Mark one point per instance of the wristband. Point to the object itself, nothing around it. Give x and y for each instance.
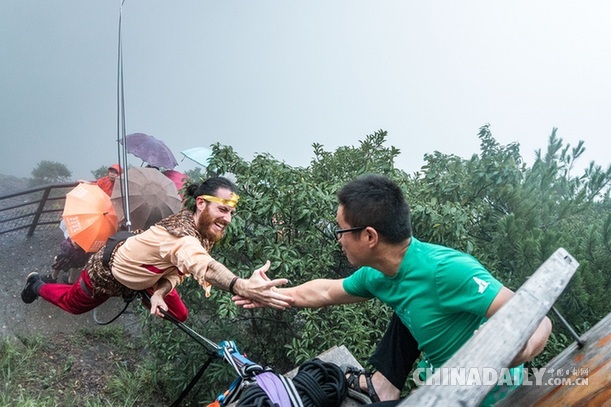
(233, 280)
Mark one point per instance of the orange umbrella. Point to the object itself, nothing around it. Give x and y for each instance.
(90, 217)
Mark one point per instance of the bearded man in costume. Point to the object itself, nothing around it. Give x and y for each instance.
(160, 258)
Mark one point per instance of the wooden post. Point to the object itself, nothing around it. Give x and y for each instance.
(501, 338)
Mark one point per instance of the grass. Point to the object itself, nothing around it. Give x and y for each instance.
(97, 368)
(105, 367)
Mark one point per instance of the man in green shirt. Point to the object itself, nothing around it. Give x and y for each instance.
(439, 294)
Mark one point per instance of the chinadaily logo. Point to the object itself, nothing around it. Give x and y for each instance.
(461, 376)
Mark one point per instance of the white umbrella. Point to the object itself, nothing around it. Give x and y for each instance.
(200, 155)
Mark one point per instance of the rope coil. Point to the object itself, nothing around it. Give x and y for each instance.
(318, 383)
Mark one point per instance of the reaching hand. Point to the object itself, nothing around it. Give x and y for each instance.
(260, 291)
(157, 303)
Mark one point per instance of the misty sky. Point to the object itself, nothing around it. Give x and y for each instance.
(277, 76)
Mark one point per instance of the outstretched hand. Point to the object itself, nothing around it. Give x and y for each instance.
(157, 304)
(259, 291)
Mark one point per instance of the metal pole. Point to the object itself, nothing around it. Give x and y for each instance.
(121, 130)
(568, 326)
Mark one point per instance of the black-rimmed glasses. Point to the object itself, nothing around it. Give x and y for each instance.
(340, 232)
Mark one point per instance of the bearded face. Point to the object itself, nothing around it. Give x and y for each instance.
(210, 226)
(214, 214)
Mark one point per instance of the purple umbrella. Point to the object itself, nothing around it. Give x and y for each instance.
(151, 150)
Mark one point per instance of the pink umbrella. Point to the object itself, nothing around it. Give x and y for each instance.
(178, 178)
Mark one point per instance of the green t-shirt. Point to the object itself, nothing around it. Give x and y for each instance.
(442, 296)
(439, 293)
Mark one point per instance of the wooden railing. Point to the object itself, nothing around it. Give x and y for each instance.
(33, 208)
(579, 376)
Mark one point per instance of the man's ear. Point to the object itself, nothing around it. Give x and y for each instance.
(372, 236)
(200, 204)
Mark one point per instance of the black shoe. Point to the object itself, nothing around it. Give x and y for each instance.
(48, 279)
(32, 285)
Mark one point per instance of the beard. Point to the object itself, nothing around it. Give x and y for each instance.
(204, 223)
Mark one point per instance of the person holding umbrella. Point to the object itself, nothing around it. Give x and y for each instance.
(88, 220)
(71, 257)
(160, 258)
(107, 183)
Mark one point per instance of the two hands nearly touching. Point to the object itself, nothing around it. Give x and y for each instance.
(256, 292)
(263, 291)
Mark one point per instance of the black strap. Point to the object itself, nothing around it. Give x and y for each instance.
(112, 242)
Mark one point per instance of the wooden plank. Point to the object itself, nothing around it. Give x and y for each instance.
(576, 377)
(501, 338)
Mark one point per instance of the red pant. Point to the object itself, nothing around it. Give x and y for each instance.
(73, 299)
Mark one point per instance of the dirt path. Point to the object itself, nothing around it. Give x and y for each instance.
(20, 255)
(78, 359)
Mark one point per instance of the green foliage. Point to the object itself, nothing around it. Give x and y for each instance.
(512, 218)
(359, 327)
(195, 174)
(49, 172)
(100, 172)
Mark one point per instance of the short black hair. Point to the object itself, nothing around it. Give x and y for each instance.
(377, 201)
